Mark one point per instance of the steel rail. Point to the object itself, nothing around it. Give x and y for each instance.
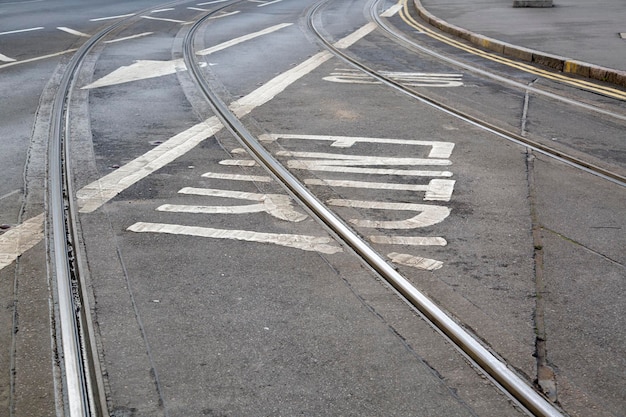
(492, 366)
(84, 394)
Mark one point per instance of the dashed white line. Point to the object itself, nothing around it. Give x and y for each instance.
(163, 19)
(241, 39)
(408, 240)
(39, 58)
(73, 32)
(198, 9)
(224, 15)
(111, 17)
(211, 2)
(162, 10)
(21, 30)
(268, 3)
(16, 241)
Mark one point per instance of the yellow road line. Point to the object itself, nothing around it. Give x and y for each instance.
(586, 85)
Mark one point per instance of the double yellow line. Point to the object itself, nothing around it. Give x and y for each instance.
(585, 85)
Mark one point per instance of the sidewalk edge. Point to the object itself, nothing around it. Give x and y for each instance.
(559, 63)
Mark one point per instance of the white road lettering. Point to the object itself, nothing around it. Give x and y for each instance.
(435, 190)
(415, 261)
(277, 205)
(412, 79)
(408, 240)
(429, 214)
(73, 32)
(354, 160)
(307, 243)
(438, 149)
(237, 177)
(312, 166)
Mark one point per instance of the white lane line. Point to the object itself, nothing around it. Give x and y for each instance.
(392, 10)
(307, 243)
(162, 10)
(198, 9)
(94, 195)
(408, 240)
(19, 239)
(268, 3)
(73, 32)
(21, 30)
(223, 15)
(39, 58)
(139, 35)
(241, 39)
(355, 36)
(111, 17)
(12, 193)
(162, 19)
(6, 58)
(211, 2)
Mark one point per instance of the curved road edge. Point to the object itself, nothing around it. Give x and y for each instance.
(559, 63)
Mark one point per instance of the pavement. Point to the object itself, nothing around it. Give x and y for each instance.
(580, 37)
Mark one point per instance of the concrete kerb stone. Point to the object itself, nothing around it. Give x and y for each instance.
(566, 65)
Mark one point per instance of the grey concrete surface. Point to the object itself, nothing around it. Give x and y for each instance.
(583, 31)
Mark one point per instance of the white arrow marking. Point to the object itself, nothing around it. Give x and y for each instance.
(6, 58)
(144, 69)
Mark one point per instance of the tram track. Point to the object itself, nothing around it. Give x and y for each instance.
(83, 385)
(493, 368)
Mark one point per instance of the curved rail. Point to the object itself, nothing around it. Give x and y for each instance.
(84, 391)
(491, 365)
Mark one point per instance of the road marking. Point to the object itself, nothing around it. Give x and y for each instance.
(211, 2)
(412, 79)
(163, 19)
(111, 17)
(198, 9)
(162, 10)
(73, 32)
(144, 69)
(334, 159)
(11, 193)
(267, 3)
(139, 35)
(94, 195)
(277, 205)
(415, 261)
(359, 34)
(39, 58)
(16, 241)
(241, 39)
(436, 189)
(21, 30)
(237, 177)
(408, 240)
(307, 243)
(438, 149)
(312, 166)
(429, 214)
(6, 58)
(392, 10)
(223, 15)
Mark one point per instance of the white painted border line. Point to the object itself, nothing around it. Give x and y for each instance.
(211, 2)
(21, 30)
(111, 17)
